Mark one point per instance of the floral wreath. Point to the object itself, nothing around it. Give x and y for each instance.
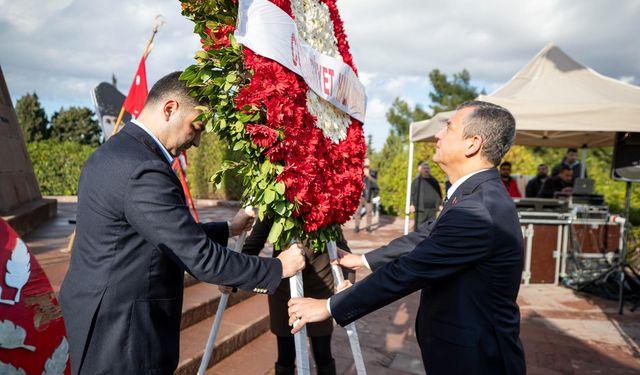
(302, 157)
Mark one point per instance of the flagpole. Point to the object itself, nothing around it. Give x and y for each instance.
(147, 50)
(158, 21)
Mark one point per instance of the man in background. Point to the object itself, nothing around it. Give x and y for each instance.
(561, 183)
(426, 195)
(535, 184)
(508, 182)
(369, 192)
(570, 160)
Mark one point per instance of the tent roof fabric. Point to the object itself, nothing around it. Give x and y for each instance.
(558, 102)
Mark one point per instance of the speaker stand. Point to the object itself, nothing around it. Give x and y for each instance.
(621, 266)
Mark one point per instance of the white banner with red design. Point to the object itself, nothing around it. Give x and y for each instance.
(270, 32)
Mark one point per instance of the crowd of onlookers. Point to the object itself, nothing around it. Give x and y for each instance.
(562, 179)
(427, 196)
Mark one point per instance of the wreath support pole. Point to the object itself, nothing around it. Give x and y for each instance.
(300, 338)
(352, 333)
(222, 305)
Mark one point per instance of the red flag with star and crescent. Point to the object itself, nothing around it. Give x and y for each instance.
(138, 91)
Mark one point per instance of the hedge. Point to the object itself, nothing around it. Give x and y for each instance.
(57, 165)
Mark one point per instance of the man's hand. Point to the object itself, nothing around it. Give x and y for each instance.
(243, 221)
(345, 285)
(412, 208)
(306, 310)
(292, 260)
(348, 260)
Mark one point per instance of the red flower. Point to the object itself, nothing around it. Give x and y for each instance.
(262, 135)
(219, 36)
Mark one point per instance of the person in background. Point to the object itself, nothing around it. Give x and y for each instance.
(508, 182)
(369, 191)
(426, 195)
(535, 184)
(570, 160)
(561, 183)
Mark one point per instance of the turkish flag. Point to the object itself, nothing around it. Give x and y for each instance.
(138, 91)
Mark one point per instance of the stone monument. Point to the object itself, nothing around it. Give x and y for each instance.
(21, 203)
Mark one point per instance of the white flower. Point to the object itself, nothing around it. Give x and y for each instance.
(314, 25)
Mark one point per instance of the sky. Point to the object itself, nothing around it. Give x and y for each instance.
(61, 49)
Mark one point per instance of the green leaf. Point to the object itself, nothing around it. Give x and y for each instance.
(202, 55)
(274, 233)
(265, 168)
(280, 188)
(289, 224)
(269, 196)
(281, 208)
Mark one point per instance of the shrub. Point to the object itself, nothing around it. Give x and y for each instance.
(57, 165)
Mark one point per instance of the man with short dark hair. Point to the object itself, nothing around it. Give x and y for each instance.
(570, 160)
(426, 195)
(535, 184)
(122, 296)
(561, 183)
(468, 262)
(508, 182)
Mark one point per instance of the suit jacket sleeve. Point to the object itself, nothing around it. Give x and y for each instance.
(155, 208)
(460, 238)
(217, 232)
(398, 247)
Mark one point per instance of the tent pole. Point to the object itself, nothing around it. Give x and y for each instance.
(408, 200)
(583, 162)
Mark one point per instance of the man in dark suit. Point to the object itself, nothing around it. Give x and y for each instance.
(122, 296)
(468, 262)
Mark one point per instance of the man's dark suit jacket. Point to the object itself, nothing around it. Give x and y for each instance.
(468, 264)
(122, 296)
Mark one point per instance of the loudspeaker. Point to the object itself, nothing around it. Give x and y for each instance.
(626, 157)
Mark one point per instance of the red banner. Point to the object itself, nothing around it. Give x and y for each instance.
(32, 333)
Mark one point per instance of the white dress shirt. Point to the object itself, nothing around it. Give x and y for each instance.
(166, 153)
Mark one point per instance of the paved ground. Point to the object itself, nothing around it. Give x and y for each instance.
(563, 332)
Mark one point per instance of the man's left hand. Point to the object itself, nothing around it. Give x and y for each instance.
(243, 221)
(307, 310)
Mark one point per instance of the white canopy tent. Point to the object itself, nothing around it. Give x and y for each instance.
(557, 102)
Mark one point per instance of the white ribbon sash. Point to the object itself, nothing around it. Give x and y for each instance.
(270, 32)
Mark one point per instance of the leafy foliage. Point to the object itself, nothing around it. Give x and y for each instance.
(32, 118)
(76, 124)
(57, 165)
(215, 78)
(204, 161)
(448, 94)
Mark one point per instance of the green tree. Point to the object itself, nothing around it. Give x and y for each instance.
(447, 93)
(401, 115)
(32, 118)
(76, 124)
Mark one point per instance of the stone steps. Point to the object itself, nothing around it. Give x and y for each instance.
(262, 354)
(241, 324)
(201, 302)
